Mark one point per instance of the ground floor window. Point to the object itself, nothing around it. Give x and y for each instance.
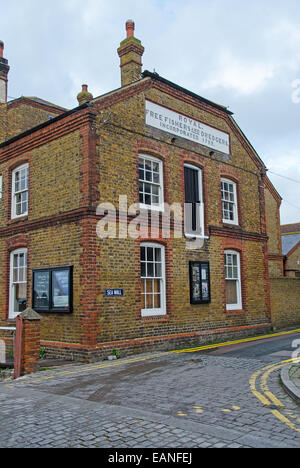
(153, 279)
(18, 282)
(233, 280)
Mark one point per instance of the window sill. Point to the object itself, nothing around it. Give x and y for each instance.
(195, 236)
(231, 225)
(18, 219)
(151, 207)
(155, 318)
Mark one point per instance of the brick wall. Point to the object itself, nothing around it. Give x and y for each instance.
(22, 114)
(285, 302)
(275, 257)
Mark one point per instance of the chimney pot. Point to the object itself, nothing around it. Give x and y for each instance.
(84, 95)
(1, 48)
(130, 28)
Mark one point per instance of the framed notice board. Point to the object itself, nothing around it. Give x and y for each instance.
(199, 283)
(52, 289)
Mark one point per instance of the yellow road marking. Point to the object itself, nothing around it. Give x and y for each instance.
(285, 420)
(264, 373)
(230, 343)
(198, 409)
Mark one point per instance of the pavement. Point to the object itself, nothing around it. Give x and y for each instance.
(290, 378)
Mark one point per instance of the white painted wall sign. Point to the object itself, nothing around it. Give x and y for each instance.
(177, 124)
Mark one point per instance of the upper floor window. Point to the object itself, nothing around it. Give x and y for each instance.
(150, 183)
(233, 280)
(153, 279)
(194, 207)
(229, 202)
(18, 282)
(19, 200)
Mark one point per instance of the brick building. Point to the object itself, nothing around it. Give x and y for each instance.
(101, 278)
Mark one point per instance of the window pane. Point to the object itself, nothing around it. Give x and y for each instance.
(150, 254)
(147, 200)
(155, 190)
(156, 178)
(20, 296)
(158, 270)
(143, 269)
(150, 270)
(41, 289)
(60, 288)
(149, 301)
(158, 255)
(231, 292)
(156, 286)
(15, 275)
(149, 286)
(156, 301)
(147, 188)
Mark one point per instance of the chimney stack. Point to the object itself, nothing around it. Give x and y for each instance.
(4, 69)
(130, 53)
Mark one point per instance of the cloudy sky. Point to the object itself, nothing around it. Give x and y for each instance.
(242, 54)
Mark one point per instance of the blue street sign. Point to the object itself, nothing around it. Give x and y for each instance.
(114, 292)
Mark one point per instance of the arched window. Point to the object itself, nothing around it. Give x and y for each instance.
(194, 207)
(153, 279)
(19, 192)
(229, 202)
(18, 282)
(150, 182)
(233, 280)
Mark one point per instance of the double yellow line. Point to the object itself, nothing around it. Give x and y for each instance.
(265, 396)
(229, 343)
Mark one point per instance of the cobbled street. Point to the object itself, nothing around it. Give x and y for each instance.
(158, 400)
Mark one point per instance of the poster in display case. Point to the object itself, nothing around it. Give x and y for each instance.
(199, 282)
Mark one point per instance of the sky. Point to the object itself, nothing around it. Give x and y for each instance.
(244, 55)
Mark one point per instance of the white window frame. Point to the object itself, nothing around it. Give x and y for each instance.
(1, 185)
(160, 185)
(237, 278)
(12, 313)
(162, 309)
(14, 193)
(235, 219)
(201, 205)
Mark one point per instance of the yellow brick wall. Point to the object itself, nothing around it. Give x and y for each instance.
(23, 117)
(285, 302)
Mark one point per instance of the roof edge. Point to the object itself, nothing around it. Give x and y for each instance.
(44, 124)
(157, 77)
